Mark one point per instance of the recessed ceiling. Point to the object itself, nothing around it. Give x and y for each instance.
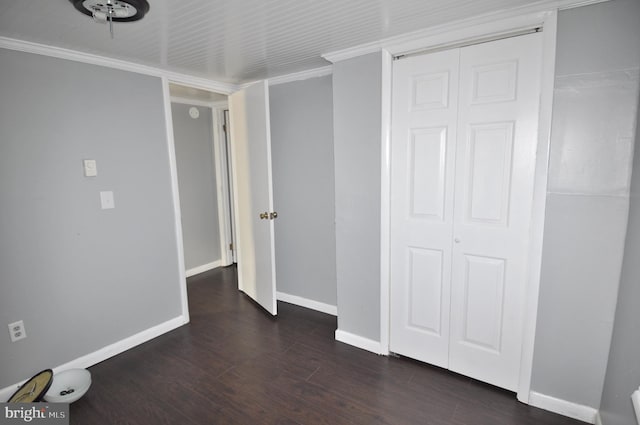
(235, 41)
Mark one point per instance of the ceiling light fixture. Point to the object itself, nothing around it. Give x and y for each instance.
(112, 10)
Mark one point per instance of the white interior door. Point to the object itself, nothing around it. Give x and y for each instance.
(253, 195)
(495, 167)
(425, 109)
(464, 138)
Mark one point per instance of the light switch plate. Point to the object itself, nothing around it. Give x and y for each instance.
(106, 200)
(90, 168)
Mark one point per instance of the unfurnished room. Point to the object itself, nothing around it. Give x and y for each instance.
(320, 212)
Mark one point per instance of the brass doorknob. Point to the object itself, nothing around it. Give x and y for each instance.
(273, 215)
(264, 216)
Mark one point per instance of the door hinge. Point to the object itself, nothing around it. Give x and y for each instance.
(224, 128)
(230, 247)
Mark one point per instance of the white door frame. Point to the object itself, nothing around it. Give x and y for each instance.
(173, 167)
(223, 180)
(196, 83)
(230, 172)
(461, 35)
(220, 169)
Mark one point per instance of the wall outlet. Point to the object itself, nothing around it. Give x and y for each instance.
(16, 330)
(106, 200)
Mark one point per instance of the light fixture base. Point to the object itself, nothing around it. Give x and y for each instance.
(114, 10)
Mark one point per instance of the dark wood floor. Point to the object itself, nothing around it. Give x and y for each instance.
(233, 364)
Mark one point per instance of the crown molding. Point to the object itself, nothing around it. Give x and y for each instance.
(302, 75)
(89, 58)
(578, 3)
(495, 23)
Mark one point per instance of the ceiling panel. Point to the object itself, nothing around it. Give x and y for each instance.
(235, 40)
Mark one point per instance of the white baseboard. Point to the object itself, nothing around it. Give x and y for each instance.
(359, 341)
(108, 351)
(598, 418)
(563, 407)
(307, 303)
(203, 268)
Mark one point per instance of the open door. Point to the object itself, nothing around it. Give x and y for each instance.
(253, 194)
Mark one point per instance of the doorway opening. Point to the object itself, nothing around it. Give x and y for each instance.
(245, 204)
(202, 146)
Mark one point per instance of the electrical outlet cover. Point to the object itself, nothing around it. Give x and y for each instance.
(16, 331)
(90, 168)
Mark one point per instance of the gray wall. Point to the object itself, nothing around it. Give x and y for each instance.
(623, 369)
(587, 204)
(303, 185)
(197, 183)
(595, 98)
(357, 110)
(81, 277)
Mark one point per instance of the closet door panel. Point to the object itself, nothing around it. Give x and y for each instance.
(497, 138)
(423, 154)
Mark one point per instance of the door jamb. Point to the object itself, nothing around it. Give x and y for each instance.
(385, 202)
(222, 190)
(173, 169)
(223, 180)
(230, 172)
(539, 206)
(548, 21)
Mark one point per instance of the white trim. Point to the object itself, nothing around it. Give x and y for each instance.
(220, 104)
(566, 408)
(227, 188)
(575, 4)
(490, 24)
(385, 200)
(111, 350)
(217, 104)
(441, 35)
(216, 129)
(222, 184)
(233, 172)
(193, 102)
(59, 52)
(307, 303)
(302, 75)
(359, 342)
(539, 205)
(598, 418)
(203, 268)
(230, 200)
(175, 196)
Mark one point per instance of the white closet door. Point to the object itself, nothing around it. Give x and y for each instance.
(464, 136)
(497, 137)
(425, 102)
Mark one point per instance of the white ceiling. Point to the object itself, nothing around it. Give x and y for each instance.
(235, 41)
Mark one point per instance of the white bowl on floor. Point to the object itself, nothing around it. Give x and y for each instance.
(68, 386)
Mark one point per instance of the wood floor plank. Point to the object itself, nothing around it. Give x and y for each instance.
(234, 364)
